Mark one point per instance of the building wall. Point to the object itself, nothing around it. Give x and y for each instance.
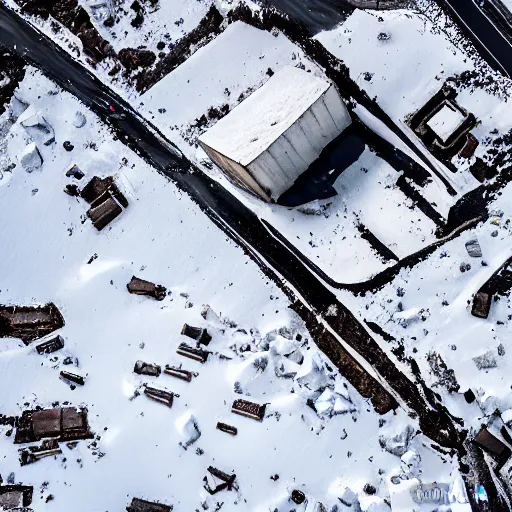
(277, 168)
(236, 172)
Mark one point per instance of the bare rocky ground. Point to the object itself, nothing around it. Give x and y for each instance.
(12, 71)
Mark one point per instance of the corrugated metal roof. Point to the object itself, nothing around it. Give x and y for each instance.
(263, 117)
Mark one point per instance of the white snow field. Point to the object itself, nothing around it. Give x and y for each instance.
(47, 243)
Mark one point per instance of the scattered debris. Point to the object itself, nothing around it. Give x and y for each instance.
(198, 354)
(445, 376)
(249, 409)
(499, 451)
(179, 373)
(29, 322)
(52, 345)
(138, 505)
(142, 368)
(224, 427)
(142, 287)
(160, 395)
(217, 480)
(196, 333)
(64, 424)
(32, 454)
(73, 377)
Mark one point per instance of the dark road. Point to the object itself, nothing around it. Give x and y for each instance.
(491, 45)
(317, 15)
(275, 259)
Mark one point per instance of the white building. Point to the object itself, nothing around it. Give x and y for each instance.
(272, 137)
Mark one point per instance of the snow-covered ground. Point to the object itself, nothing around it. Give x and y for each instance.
(165, 22)
(402, 59)
(47, 246)
(428, 308)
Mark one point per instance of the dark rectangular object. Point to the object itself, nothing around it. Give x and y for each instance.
(32, 454)
(481, 304)
(492, 445)
(99, 186)
(196, 333)
(178, 373)
(29, 322)
(470, 147)
(95, 188)
(75, 172)
(73, 377)
(220, 479)
(138, 505)
(224, 427)
(159, 395)
(104, 211)
(142, 368)
(66, 424)
(73, 420)
(12, 496)
(198, 354)
(141, 287)
(51, 345)
(249, 409)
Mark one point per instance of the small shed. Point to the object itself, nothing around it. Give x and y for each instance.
(271, 138)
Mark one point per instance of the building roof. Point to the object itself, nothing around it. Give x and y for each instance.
(446, 121)
(250, 128)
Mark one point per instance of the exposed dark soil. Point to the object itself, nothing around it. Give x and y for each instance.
(133, 58)
(12, 67)
(75, 18)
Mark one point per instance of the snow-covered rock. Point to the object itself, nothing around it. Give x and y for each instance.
(31, 158)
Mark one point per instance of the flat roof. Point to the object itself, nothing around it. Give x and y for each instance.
(446, 121)
(251, 127)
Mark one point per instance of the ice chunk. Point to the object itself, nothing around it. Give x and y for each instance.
(31, 159)
(473, 248)
(188, 428)
(399, 444)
